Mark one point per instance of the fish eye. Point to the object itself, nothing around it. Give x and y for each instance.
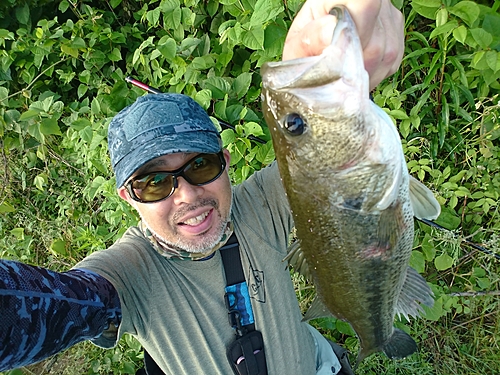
(294, 123)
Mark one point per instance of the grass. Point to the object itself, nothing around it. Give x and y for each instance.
(465, 343)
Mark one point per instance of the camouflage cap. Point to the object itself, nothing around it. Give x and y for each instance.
(156, 125)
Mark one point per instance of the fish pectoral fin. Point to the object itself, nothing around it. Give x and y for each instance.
(414, 293)
(400, 345)
(296, 259)
(425, 205)
(317, 310)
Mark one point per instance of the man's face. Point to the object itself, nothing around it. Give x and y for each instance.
(193, 218)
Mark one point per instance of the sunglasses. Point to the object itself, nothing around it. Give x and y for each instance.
(156, 186)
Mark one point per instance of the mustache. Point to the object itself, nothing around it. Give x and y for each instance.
(188, 208)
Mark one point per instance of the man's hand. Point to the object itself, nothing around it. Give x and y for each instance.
(380, 27)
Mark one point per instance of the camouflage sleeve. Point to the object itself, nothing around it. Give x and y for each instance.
(43, 312)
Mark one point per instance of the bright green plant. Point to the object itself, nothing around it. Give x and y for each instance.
(62, 70)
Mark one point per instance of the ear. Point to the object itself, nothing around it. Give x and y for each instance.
(227, 156)
(123, 193)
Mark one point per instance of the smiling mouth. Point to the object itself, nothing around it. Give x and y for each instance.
(196, 220)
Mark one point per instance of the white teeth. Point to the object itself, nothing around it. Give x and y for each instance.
(196, 220)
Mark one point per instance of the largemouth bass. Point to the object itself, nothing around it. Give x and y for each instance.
(352, 199)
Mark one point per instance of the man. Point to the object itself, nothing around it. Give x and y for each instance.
(163, 282)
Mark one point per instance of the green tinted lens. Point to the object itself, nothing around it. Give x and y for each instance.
(153, 187)
(202, 169)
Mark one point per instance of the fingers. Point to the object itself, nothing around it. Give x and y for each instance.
(383, 50)
(380, 27)
(311, 40)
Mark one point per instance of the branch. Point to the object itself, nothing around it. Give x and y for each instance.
(34, 80)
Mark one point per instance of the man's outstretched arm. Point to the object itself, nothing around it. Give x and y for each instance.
(43, 312)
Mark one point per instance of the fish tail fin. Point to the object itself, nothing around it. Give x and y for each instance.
(400, 345)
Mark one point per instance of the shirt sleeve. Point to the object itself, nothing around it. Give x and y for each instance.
(43, 312)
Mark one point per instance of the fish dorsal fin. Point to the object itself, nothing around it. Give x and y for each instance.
(296, 259)
(425, 205)
(317, 310)
(415, 292)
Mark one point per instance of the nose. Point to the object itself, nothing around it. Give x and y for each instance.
(185, 192)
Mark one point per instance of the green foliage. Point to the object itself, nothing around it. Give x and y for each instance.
(62, 70)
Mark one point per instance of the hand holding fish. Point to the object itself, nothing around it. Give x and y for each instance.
(380, 27)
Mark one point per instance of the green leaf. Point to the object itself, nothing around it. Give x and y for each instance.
(274, 39)
(245, 172)
(168, 48)
(86, 134)
(441, 17)
(63, 6)
(482, 37)
(202, 62)
(128, 368)
(492, 60)
(252, 128)
(6, 34)
(212, 7)
(428, 248)
(6, 207)
(426, 8)
(172, 14)
(30, 113)
(265, 10)
(398, 114)
(435, 312)
(23, 14)
(228, 136)
(153, 16)
(204, 98)
(467, 11)
(73, 52)
(40, 181)
(82, 89)
(344, 328)
(115, 3)
(18, 233)
(49, 126)
(417, 261)
(253, 38)
(16, 371)
(95, 187)
(444, 29)
(115, 55)
(80, 124)
(398, 3)
(78, 42)
(218, 86)
(265, 154)
(443, 262)
(58, 247)
(242, 83)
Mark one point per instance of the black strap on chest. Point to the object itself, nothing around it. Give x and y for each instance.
(231, 260)
(246, 354)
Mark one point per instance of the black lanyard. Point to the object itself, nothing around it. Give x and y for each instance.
(246, 354)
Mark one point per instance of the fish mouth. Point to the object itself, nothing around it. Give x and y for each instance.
(316, 71)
